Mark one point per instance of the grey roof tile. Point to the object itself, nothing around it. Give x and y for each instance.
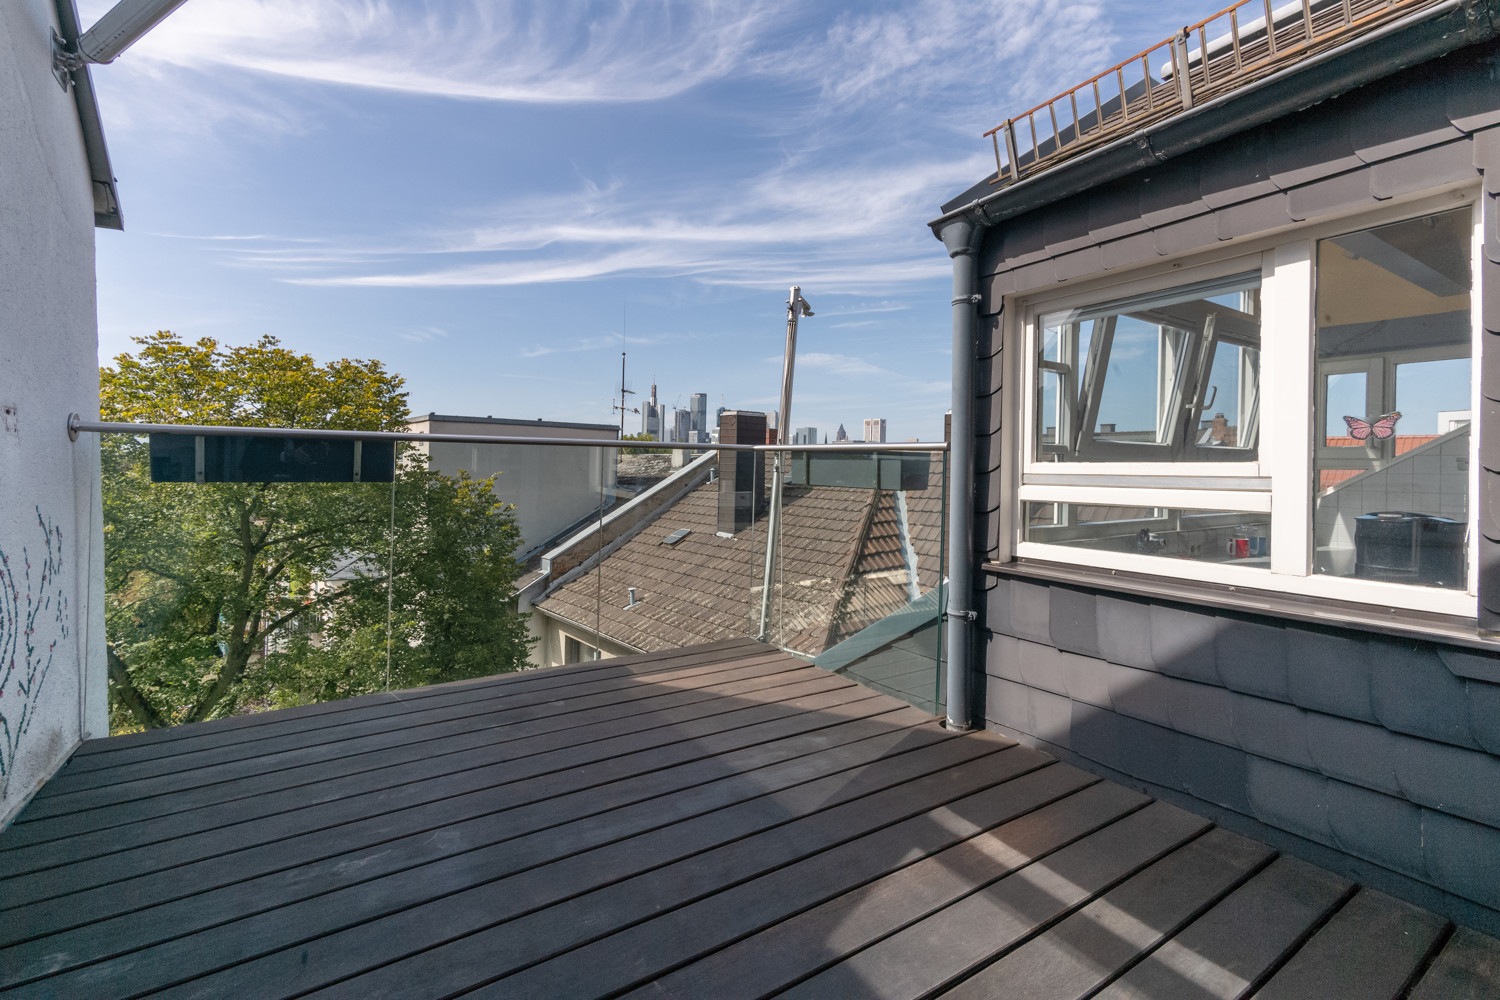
(1351, 751)
(1379, 827)
(1030, 607)
(1484, 714)
(1271, 729)
(1136, 693)
(1073, 620)
(1182, 643)
(1130, 250)
(1078, 263)
(1329, 672)
(1412, 692)
(1422, 170)
(1489, 448)
(1288, 798)
(1450, 778)
(1029, 277)
(1489, 373)
(1254, 216)
(1065, 225)
(1125, 631)
(1251, 657)
(1338, 193)
(1489, 575)
(1240, 173)
(1186, 234)
(1464, 854)
(1114, 210)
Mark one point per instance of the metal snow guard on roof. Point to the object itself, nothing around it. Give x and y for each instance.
(1129, 96)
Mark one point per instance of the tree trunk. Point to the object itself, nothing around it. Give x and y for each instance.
(140, 709)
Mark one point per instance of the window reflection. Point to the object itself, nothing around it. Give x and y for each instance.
(1391, 461)
(1238, 537)
(1170, 376)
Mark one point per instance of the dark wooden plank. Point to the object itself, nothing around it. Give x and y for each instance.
(788, 924)
(496, 734)
(1092, 945)
(140, 745)
(388, 875)
(1227, 950)
(940, 948)
(714, 859)
(1369, 948)
(528, 703)
(1468, 968)
(25, 921)
(350, 823)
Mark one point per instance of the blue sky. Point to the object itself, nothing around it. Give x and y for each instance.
(481, 193)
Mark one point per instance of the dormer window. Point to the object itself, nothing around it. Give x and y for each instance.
(1291, 417)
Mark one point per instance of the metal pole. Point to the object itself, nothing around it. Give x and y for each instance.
(796, 306)
(961, 237)
(76, 425)
(390, 578)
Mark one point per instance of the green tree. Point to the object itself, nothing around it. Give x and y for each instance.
(219, 595)
(642, 436)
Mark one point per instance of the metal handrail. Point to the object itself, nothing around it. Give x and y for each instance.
(1217, 65)
(77, 425)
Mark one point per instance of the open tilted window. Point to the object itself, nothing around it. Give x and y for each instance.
(1295, 418)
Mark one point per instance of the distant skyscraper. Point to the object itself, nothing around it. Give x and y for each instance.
(651, 415)
(875, 429)
(682, 426)
(842, 435)
(805, 435)
(698, 408)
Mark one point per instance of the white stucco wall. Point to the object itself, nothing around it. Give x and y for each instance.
(52, 678)
(552, 488)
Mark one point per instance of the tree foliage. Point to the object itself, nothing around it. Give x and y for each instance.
(642, 436)
(227, 595)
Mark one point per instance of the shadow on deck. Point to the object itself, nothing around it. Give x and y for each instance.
(721, 821)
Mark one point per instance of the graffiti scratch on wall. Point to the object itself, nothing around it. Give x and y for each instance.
(34, 618)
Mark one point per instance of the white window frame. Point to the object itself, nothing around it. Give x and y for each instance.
(1280, 480)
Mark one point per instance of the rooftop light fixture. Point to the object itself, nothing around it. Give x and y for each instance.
(115, 32)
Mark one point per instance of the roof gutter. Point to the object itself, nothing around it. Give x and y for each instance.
(1399, 45)
(107, 213)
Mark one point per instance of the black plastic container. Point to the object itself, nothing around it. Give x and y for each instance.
(1405, 547)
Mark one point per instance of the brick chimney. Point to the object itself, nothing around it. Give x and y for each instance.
(742, 485)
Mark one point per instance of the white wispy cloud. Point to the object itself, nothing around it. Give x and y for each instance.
(846, 229)
(829, 207)
(561, 51)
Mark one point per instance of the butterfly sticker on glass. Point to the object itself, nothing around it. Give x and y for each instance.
(1381, 428)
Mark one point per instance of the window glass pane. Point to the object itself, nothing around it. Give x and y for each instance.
(1046, 408)
(1168, 376)
(1391, 463)
(1345, 393)
(1200, 535)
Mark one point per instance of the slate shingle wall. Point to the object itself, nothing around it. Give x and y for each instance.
(1369, 745)
(1381, 750)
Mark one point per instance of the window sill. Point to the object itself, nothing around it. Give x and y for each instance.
(1426, 625)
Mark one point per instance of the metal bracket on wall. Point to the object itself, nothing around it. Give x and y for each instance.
(964, 616)
(65, 61)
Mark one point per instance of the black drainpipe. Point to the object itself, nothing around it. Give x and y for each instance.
(962, 237)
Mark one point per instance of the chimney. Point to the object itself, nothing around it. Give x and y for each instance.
(742, 489)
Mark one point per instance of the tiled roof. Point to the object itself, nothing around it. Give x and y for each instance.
(841, 566)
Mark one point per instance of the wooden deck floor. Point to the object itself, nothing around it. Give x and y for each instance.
(723, 821)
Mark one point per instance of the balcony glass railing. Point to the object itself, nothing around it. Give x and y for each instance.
(232, 597)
